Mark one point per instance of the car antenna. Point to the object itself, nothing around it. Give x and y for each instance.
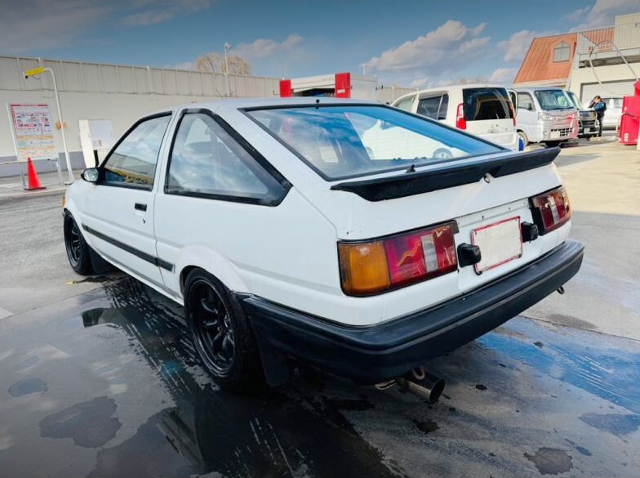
(317, 103)
(411, 169)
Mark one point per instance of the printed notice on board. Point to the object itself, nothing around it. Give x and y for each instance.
(33, 131)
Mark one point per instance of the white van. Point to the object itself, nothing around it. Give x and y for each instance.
(546, 115)
(483, 110)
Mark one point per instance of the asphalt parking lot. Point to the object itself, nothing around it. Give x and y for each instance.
(98, 377)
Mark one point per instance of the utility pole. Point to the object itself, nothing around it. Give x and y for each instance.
(227, 47)
(36, 72)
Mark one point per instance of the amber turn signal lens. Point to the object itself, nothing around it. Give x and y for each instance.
(363, 268)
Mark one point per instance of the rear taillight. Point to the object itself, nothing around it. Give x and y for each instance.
(461, 123)
(551, 209)
(368, 268)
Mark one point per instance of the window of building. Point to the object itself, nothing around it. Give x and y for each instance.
(561, 52)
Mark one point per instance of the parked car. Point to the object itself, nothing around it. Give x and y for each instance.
(588, 122)
(612, 115)
(546, 115)
(289, 228)
(483, 110)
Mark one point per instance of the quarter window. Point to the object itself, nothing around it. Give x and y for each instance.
(434, 107)
(207, 161)
(561, 52)
(406, 104)
(133, 161)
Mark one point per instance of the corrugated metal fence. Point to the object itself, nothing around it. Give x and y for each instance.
(84, 77)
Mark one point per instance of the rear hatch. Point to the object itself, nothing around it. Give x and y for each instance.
(488, 112)
(388, 174)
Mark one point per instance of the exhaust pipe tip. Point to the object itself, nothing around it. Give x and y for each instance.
(429, 388)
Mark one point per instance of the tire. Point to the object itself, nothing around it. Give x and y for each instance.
(78, 251)
(525, 139)
(221, 334)
(552, 144)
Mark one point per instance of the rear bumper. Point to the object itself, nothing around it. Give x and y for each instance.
(376, 353)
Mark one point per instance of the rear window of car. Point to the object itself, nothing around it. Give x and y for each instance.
(486, 104)
(343, 141)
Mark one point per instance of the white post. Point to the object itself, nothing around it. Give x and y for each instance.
(60, 118)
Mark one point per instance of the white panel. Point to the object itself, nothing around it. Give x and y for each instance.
(127, 82)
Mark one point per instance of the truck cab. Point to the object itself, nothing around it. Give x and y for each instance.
(546, 115)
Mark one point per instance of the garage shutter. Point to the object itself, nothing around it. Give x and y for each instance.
(607, 89)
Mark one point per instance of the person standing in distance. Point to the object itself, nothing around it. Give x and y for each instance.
(600, 107)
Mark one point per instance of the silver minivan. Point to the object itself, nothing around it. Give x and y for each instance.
(545, 115)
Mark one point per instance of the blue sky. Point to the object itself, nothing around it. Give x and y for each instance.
(410, 43)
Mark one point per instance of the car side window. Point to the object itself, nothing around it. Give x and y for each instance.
(434, 107)
(525, 102)
(133, 161)
(406, 104)
(206, 161)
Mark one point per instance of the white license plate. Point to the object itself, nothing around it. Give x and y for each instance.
(587, 130)
(555, 134)
(499, 243)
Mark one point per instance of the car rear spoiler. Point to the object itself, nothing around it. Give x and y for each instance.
(452, 175)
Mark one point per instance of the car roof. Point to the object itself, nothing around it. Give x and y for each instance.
(537, 88)
(238, 103)
(438, 89)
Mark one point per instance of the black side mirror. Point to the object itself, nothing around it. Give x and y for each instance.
(90, 175)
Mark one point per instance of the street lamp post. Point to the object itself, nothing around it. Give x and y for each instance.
(227, 47)
(36, 72)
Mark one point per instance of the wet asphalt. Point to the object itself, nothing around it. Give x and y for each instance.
(98, 376)
(106, 384)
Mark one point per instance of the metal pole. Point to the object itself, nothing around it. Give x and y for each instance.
(64, 139)
(227, 47)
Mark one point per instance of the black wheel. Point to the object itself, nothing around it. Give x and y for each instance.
(552, 144)
(78, 251)
(221, 333)
(525, 139)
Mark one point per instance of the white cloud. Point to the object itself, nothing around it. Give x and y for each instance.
(185, 65)
(603, 13)
(504, 76)
(29, 25)
(145, 18)
(263, 47)
(451, 44)
(157, 11)
(516, 47)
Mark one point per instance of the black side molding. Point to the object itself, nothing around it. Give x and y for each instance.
(450, 175)
(131, 250)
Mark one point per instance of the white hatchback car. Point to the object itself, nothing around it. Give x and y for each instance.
(354, 236)
(483, 110)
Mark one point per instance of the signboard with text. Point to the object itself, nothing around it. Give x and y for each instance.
(32, 131)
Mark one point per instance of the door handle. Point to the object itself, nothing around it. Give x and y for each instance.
(140, 207)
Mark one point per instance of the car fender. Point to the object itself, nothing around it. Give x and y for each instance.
(211, 261)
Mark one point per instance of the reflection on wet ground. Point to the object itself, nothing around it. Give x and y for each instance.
(113, 388)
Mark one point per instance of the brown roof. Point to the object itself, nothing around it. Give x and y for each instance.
(538, 65)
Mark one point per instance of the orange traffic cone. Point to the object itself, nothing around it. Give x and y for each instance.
(34, 182)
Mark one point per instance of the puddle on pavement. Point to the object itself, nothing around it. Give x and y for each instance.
(603, 369)
(550, 461)
(27, 387)
(90, 424)
(210, 430)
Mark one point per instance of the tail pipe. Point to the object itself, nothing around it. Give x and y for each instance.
(419, 383)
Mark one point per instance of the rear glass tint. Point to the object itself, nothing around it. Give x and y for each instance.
(342, 141)
(486, 104)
